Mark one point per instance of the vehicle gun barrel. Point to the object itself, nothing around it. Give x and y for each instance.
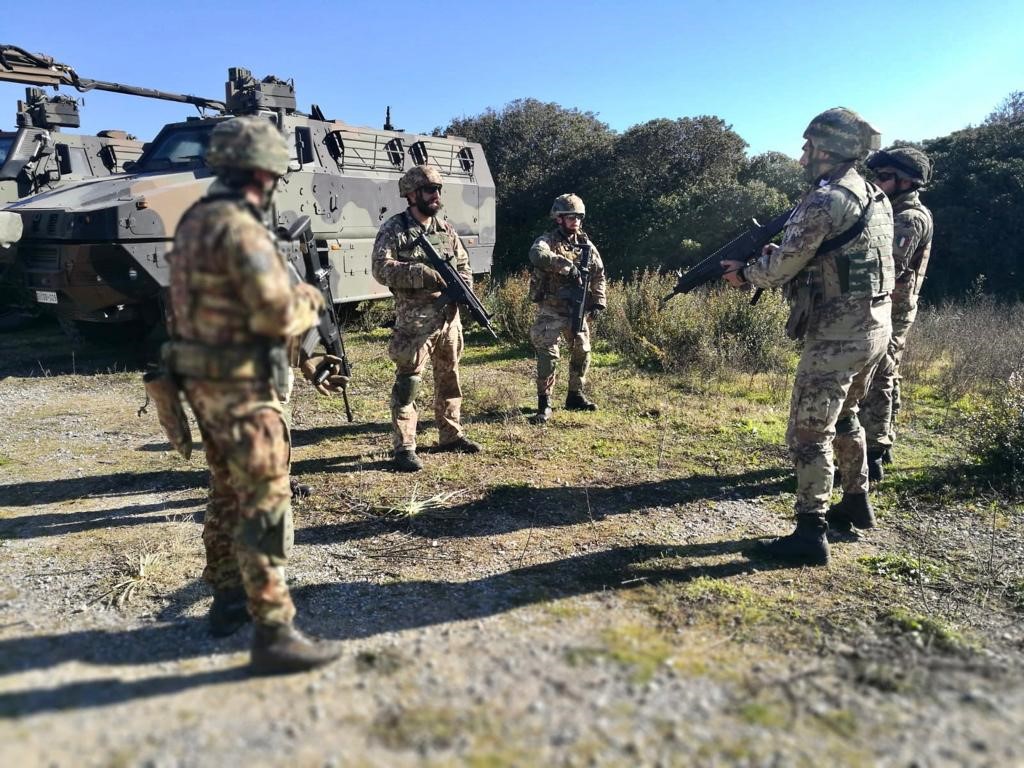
(19, 66)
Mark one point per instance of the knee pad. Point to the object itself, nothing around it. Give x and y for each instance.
(404, 391)
(848, 425)
(546, 365)
(270, 534)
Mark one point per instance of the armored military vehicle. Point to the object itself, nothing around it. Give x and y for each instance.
(39, 156)
(96, 252)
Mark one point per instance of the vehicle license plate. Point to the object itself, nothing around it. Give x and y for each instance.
(46, 297)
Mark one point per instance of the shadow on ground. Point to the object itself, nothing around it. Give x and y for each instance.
(392, 607)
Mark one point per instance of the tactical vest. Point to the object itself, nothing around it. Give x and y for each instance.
(546, 285)
(439, 238)
(212, 339)
(913, 276)
(864, 266)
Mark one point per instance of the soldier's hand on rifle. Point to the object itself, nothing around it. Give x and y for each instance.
(596, 310)
(313, 369)
(770, 249)
(733, 276)
(574, 273)
(426, 277)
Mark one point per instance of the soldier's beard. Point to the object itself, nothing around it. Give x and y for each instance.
(427, 207)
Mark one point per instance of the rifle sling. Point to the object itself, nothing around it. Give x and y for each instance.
(843, 239)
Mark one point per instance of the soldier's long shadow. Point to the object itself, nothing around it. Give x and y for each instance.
(59, 523)
(513, 507)
(357, 610)
(126, 484)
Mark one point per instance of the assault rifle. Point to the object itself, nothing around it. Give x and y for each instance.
(746, 247)
(328, 329)
(577, 293)
(456, 289)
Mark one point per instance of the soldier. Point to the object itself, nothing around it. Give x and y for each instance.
(233, 311)
(836, 262)
(555, 258)
(423, 329)
(901, 173)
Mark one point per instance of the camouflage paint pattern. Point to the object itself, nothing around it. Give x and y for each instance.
(553, 256)
(912, 244)
(847, 330)
(230, 292)
(102, 246)
(423, 330)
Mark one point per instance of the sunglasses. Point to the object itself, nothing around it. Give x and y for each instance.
(575, 216)
(885, 176)
(431, 189)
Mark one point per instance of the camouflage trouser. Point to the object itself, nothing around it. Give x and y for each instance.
(248, 529)
(549, 328)
(883, 400)
(830, 381)
(410, 349)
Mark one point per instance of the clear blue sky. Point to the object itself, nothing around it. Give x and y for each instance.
(916, 69)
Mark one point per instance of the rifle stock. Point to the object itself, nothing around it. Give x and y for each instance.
(746, 247)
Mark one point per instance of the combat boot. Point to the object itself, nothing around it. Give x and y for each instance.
(887, 456)
(875, 472)
(461, 444)
(543, 414)
(806, 545)
(407, 461)
(229, 613)
(577, 401)
(854, 510)
(279, 649)
(299, 490)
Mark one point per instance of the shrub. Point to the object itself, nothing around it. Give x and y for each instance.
(509, 300)
(705, 331)
(995, 433)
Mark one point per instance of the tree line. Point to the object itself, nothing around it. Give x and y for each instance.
(667, 192)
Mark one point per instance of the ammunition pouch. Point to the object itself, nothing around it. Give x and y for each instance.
(237, 362)
(802, 300)
(162, 389)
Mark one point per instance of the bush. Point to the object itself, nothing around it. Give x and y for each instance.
(973, 345)
(706, 331)
(995, 433)
(509, 300)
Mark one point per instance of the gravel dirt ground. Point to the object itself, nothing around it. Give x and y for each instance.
(577, 595)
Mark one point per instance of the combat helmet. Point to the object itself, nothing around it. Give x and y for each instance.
(843, 133)
(907, 163)
(247, 143)
(569, 203)
(416, 177)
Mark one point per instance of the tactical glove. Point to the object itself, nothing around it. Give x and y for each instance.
(426, 277)
(314, 367)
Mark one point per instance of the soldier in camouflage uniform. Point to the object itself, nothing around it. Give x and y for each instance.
(555, 258)
(901, 173)
(232, 312)
(836, 262)
(423, 328)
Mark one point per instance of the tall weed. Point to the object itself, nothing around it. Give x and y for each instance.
(995, 434)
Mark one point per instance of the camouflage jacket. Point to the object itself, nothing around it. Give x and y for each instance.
(400, 266)
(229, 284)
(911, 248)
(840, 294)
(553, 256)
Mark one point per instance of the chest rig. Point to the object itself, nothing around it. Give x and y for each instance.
(857, 262)
(546, 285)
(438, 237)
